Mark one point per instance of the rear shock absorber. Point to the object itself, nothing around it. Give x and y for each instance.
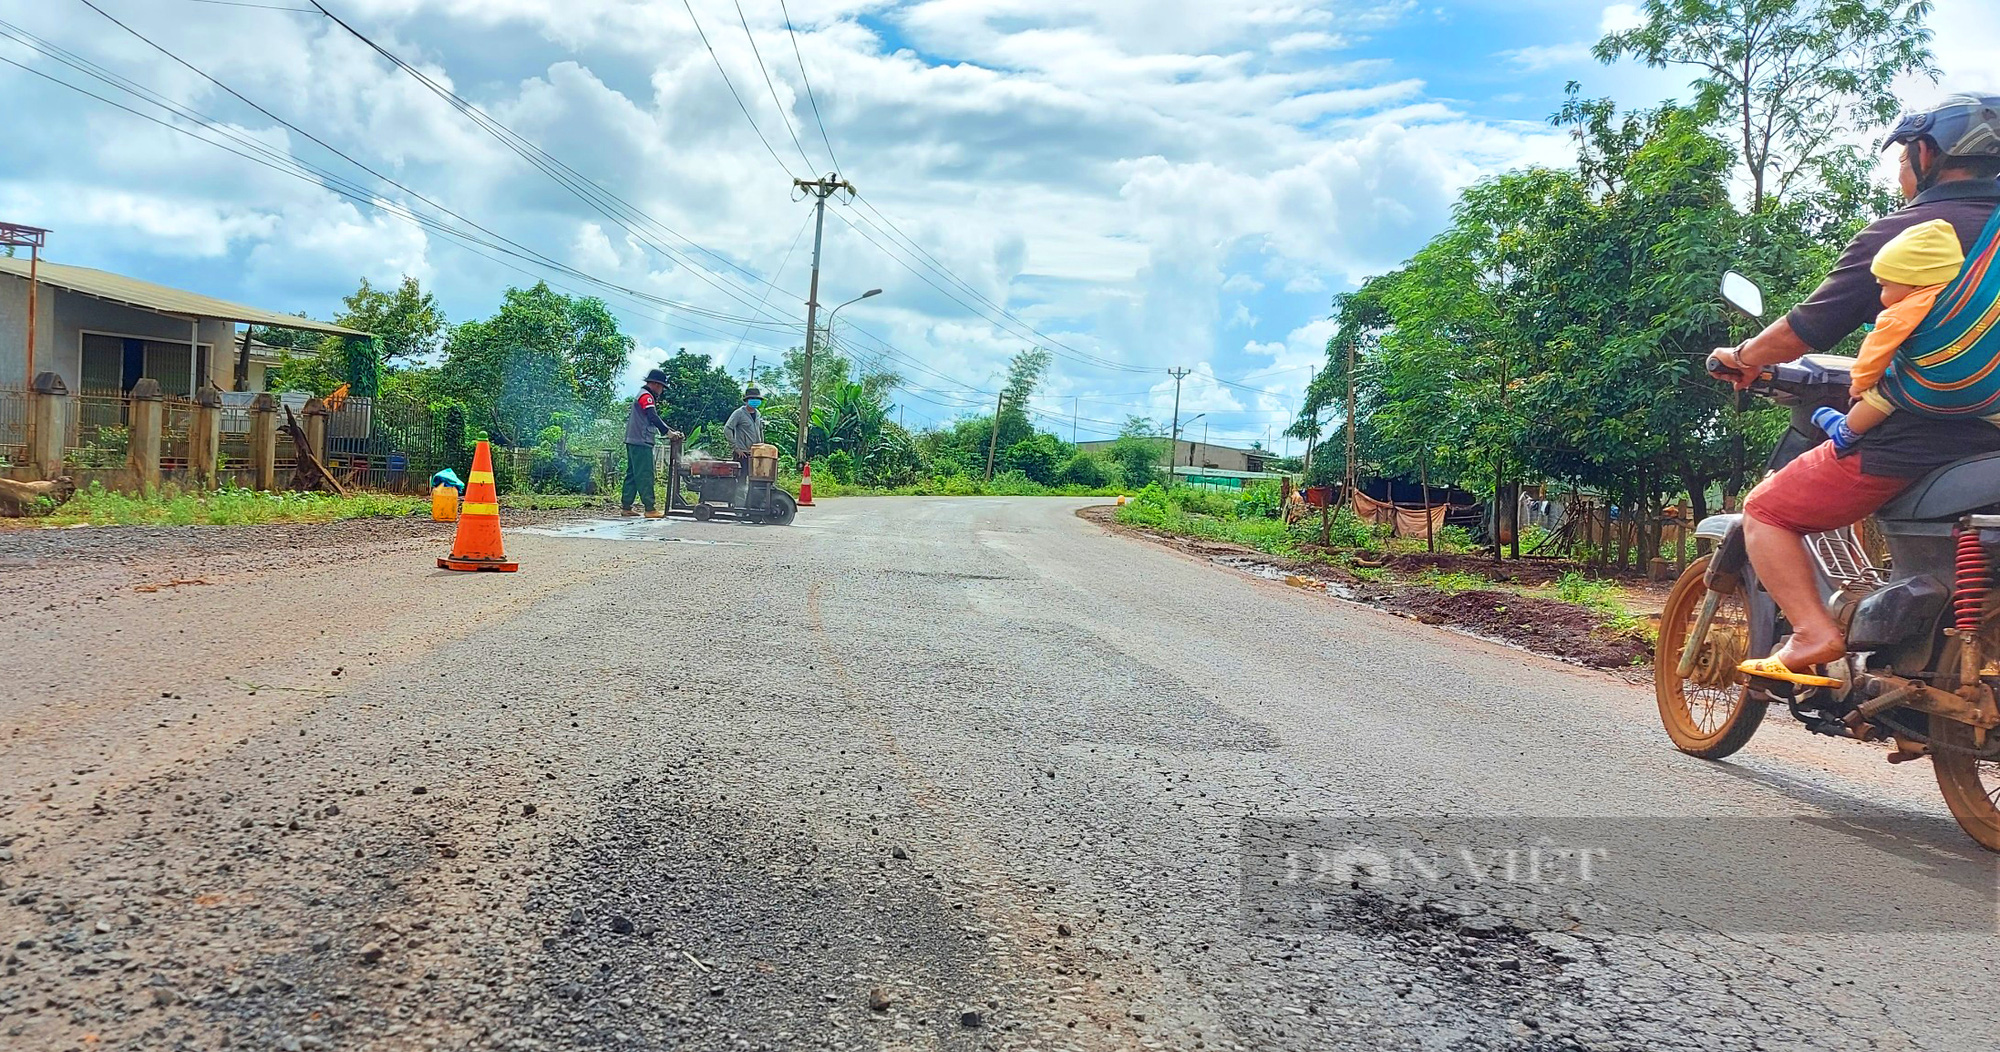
(1974, 579)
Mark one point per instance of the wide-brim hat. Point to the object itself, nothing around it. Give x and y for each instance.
(752, 392)
(655, 376)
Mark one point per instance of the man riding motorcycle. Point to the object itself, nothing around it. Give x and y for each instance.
(1951, 158)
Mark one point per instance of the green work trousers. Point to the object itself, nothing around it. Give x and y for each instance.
(638, 475)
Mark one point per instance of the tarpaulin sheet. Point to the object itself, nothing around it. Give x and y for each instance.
(1410, 522)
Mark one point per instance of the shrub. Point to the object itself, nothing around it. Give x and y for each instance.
(1259, 502)
(1196, 500)
(840, 465)
(1086, 471)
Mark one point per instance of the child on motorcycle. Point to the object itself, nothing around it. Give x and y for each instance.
(1913, 268)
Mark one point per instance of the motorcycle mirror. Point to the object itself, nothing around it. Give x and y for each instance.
(1743, 294)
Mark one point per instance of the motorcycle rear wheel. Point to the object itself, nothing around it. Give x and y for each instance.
(1708, 714)
(1971, 786)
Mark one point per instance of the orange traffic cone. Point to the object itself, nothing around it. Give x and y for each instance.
(806, 485)
(477, 544)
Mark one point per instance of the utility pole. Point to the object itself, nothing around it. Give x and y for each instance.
(1350, 418)
(1306, 465)
(1174, 436)
(819, 190)
(1072, 419)
(993, 443)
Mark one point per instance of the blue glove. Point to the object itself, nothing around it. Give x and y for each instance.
(1834, 423)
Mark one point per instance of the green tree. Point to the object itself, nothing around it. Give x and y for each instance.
(1024, 375)
(542, 353)
(698, 392)
(407, 320)
(1792, 79)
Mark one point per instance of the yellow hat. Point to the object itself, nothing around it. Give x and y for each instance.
(1925, 254)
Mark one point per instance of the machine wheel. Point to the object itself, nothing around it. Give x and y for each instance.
(703, 512)
(783, 509)
(1708, 714)
(1971, 786)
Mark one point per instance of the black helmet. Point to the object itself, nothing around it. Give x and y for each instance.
(655, 376)
(1958, 125)
(752, 392)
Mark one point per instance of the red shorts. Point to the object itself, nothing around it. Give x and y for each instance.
(1820, 492)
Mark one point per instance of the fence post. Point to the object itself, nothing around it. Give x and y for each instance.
(264, 441)
(316, 414)
(48, 425)
(205, 436)
(142, 449)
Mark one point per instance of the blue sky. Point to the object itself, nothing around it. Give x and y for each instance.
(1141, 185)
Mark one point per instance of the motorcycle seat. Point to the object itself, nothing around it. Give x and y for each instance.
(1948, 492)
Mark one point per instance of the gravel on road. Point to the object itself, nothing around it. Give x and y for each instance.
(953, 773)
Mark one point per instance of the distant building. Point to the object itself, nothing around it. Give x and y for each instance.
(101, 332)
(1189, 454)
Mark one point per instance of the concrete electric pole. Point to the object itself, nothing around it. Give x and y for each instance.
(1174, 436)
(819, 190)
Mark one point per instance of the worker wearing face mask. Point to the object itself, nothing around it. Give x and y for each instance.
(745, 427)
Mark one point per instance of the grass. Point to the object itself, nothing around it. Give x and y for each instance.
(1599, 595)
(1453, 582)
(97, 506)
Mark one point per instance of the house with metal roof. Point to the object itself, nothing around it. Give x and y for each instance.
(101, 332)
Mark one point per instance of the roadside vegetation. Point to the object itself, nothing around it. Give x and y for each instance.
(97, 506)
(1554, 330)
(1543, 604)
(540, 380)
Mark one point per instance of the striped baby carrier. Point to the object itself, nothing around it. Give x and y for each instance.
(1950, 366)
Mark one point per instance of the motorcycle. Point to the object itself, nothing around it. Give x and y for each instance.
(1923, 625)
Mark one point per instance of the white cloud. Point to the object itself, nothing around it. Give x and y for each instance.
(1147, 182)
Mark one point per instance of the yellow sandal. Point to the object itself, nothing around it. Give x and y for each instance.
(1772, 668)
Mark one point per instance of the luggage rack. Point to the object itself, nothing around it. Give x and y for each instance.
(1840, 557)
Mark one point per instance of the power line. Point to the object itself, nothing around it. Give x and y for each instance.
(620, 211)
(85, 66)
(783, 115)
(778, 273)
(284, 164)
(807, 81)
(733, 93)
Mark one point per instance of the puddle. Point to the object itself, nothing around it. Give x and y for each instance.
(617, 530)
(1259, 568)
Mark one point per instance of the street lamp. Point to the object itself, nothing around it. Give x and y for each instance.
(830, 314)
(1176, 444)
(806, 381)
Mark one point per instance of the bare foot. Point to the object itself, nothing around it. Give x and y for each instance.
(1801, 653)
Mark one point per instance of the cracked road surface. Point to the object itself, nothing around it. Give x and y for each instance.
(912, 774)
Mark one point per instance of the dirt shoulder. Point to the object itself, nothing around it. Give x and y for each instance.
(1545, 626)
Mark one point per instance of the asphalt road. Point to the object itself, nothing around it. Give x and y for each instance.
(910, 774)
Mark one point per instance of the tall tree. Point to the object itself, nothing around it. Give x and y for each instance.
(542, 353)
(1792, 79)
(698, 392)
(407, 320)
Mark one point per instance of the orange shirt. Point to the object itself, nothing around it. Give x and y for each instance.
(1892, 327)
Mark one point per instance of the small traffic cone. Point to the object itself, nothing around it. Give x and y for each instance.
(806, 485)
(477, 544)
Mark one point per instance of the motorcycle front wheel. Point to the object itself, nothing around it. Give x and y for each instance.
(1971, 786)
(1707, 712)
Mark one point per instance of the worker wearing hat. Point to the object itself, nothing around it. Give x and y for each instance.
(643, 427)
(745, 428)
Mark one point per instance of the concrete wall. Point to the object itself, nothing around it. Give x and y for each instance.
(14, 333)
(1203, 455)
(65, 316)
